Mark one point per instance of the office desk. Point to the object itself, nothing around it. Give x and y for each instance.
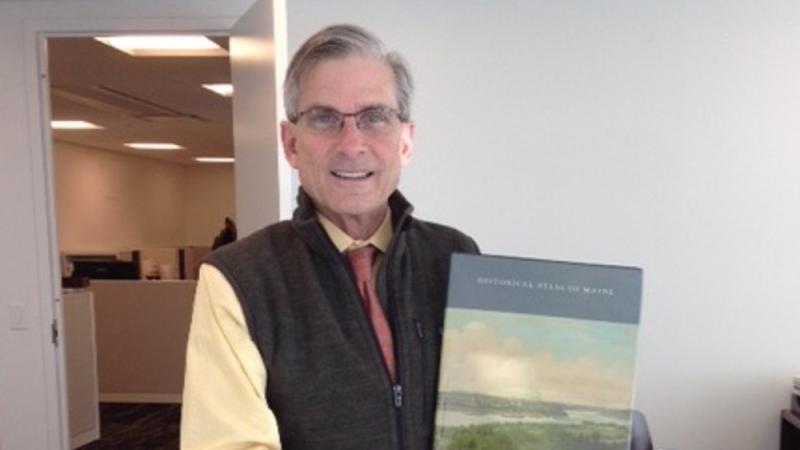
(790, 430)
(142, 330)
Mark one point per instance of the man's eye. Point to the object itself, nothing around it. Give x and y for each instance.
(323, 119)
(374, 117)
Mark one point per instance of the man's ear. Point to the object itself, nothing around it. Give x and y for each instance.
(289, 143)
(407, 143)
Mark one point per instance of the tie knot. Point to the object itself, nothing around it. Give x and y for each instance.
(361, 261)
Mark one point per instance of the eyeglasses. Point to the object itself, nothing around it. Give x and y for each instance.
(372, 121)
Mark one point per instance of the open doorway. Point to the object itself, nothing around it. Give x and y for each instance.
(133, 222)
(263, 186)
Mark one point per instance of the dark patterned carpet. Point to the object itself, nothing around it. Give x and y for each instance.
(129, 426)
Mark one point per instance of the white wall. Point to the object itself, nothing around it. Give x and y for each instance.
(656, 134)
(28, 412)
(110, 202)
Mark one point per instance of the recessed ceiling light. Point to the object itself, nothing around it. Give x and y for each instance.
(164, 45)
(223, 89)
(74, 125)
(214, 159)
(154, 146)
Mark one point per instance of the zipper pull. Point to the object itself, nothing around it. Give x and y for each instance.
(420, 331)
(398, 395)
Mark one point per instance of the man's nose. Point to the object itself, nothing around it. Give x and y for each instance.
(350, 134)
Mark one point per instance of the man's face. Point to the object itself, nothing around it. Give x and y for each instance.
(348, 174)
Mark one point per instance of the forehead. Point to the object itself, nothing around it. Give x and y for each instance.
(348, 84)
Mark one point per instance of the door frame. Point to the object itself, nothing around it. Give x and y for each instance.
(36, 33)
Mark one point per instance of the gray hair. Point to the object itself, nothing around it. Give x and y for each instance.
(339, 41)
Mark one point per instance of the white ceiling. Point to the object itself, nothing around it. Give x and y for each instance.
(152, 99)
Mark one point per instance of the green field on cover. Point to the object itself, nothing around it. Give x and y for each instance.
(513, 436)
(474, 421)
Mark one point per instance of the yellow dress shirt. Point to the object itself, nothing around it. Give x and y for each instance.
(224, 392)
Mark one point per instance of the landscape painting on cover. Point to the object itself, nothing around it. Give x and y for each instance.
(527, 381)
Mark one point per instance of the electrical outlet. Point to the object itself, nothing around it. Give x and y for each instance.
(18, 316)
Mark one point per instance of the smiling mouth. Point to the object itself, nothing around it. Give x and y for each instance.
(351, 175)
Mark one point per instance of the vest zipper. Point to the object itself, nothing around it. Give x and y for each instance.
(397, 390)
(381, 286)
(397, 394)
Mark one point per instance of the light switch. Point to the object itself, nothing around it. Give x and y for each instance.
(18, 315)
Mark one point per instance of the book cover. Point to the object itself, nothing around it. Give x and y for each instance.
(537, 354)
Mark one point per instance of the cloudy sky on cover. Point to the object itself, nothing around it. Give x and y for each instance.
(538, 358)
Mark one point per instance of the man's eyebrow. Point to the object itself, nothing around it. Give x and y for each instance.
(362, 108)
(374, 105)
(319, 106)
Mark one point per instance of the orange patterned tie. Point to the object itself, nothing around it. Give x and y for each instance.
(361, 261)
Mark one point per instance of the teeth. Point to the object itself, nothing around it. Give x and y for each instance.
(351, 175)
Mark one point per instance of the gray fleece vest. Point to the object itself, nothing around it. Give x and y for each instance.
(326, 382)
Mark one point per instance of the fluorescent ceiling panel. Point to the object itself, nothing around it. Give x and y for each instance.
(164, 45)
(223, 89)
(74, 125)
(154, 146)
(214, 159)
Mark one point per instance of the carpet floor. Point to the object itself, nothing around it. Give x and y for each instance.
(129, 426)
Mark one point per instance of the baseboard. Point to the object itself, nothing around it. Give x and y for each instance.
(81, 439)
(134, 397)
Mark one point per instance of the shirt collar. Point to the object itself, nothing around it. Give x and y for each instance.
(343, 242)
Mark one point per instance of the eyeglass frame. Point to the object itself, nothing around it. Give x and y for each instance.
(343, 116)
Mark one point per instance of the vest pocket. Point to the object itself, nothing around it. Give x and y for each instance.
(428, 340)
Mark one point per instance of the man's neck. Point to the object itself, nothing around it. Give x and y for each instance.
(358, 227)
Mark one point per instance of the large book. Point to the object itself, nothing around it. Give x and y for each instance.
(537, 354)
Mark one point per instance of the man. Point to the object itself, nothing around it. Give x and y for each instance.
(322, 332)
(227, 235)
